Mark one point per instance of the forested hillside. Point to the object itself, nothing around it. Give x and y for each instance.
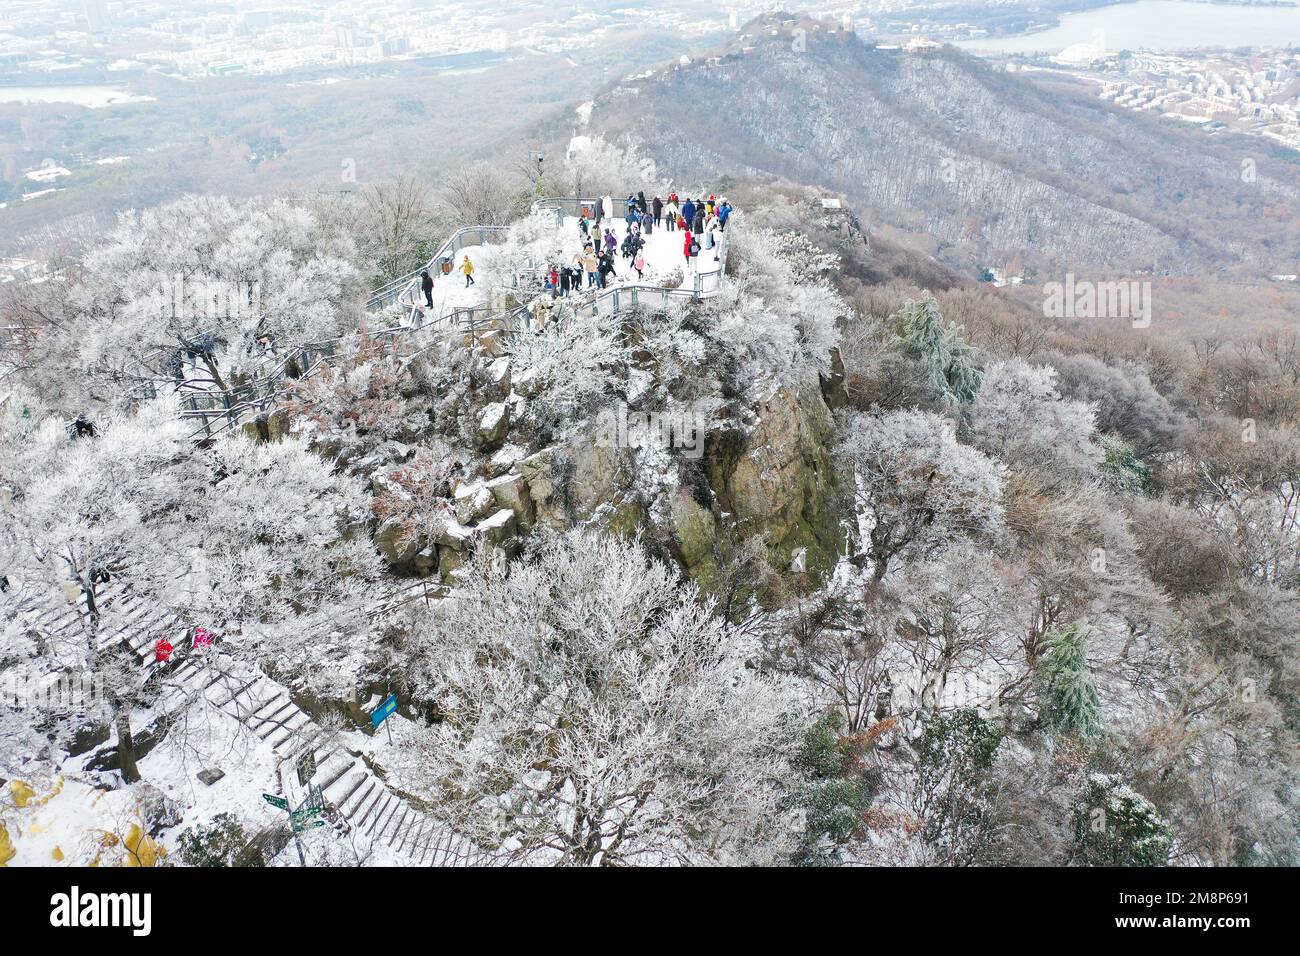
(994, 166)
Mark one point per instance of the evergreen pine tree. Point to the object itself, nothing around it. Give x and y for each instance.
(1069, 698)
(955, 754)
(1123, 470)
(1114, 825)
(948, 360)
(834, 795)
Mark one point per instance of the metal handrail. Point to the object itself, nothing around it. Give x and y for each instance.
(405, 290)
(231, 405)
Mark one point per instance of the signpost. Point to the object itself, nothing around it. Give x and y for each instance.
(307, 767)
(301, 817)
(280, 803)
(383, 712)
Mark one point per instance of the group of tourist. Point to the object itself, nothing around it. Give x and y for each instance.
(701, 223)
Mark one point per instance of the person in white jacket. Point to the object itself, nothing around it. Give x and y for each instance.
(671, 212)
(608, 205)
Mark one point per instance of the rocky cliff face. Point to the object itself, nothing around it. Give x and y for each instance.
(776, 480)
(770, 477)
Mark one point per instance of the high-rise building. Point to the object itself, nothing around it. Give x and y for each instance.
(96, 16)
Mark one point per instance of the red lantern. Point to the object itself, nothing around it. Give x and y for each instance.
(162, 651)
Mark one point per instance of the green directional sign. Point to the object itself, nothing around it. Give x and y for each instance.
(278, 802)
(302, 819)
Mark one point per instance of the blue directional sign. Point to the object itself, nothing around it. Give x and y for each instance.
(384, 710)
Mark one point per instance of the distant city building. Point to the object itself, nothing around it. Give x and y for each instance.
(96, 16)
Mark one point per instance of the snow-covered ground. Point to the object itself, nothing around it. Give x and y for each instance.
(451, 291)
(665, 262)
(254, 739)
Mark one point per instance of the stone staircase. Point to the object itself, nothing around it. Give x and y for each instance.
(358, 802)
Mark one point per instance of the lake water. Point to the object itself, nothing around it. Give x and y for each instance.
(1159, 25)
(94, 97)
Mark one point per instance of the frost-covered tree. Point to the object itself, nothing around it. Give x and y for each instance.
(918, 486)
(953, 643)
(1070, 701)
(590, 710)
(277, 558)
(80, 516)
(595, 167)
(571, 363)
(948, 361)
(261, 544)
(780, 323)
(211, 280)
(530, 244)
(1114, 825)
(1020, 418)
(807, 260)
(1127, 404)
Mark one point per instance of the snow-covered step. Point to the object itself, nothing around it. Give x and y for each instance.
(274, 721)
(274, 699)
(365, 787)
(225, 701)
(289, 736)
(384, 818)
(410, 837)
(361, 813)
(394, 826)
(375, 811)
(336, 777)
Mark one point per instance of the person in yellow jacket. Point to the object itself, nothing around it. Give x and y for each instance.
(467, 267)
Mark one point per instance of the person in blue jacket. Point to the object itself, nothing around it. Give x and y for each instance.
(724, 211)
(688, 211)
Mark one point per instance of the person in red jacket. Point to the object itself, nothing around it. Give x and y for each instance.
(686, 247)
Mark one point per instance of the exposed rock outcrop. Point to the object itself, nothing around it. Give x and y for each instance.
(777, 480)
